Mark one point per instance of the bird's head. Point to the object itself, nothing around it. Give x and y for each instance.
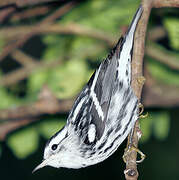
(54, 150)
(61, 151)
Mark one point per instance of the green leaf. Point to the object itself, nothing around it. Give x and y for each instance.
(6, 99)
(162, 73)
(50, 127)
(85, 47)
(66, 81)
(110, 14)
(146, 127)
(172, 26)
(157, 123)
(57, 46)
(36, 81)
(161, 125)
(23, 142)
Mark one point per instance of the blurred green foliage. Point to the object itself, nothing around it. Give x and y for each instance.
(79, 57)
(49, 127)
(65, 80)
(105, 15)
(172, 27)
(162, 73)
(7, 99)
(156, 124)
(24, 142)
(1, 43)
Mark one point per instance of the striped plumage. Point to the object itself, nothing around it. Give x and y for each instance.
(103, 114)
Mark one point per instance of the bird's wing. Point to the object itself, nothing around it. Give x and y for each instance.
(91, 107)
(89, 114)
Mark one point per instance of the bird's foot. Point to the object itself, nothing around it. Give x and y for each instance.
(129, 149)
(141, 110)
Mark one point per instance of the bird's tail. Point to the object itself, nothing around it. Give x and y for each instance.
(125, 50)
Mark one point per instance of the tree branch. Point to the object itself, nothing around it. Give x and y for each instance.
(23, 59)
(131, 172)
(6, 12)
(24, 37)
(163, 56)
(8, 127)
(21, 3)
(165, 3)
(155, 94)
(29, 13)
(71, 28)
(76, 29)
(24, 72)
(46, 104)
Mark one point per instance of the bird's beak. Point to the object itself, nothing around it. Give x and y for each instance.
(43, 164)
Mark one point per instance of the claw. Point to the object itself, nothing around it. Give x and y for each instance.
(132, 148)
(141, 108)
(144, 116)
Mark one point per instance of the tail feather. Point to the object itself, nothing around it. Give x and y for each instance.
(126, 50)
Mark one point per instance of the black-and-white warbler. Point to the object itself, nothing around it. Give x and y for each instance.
(103, 114)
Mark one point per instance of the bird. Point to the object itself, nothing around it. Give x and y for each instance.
(103, 114)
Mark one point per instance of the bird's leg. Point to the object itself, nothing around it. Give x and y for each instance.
(130, 147)
(133, 148)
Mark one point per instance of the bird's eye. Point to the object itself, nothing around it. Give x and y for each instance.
(54, 147)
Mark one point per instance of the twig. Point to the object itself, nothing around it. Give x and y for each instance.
(58, 13)
(71, 28)
(131, 172)
(165, 3)
(21, 3)
(9, 48)
(22, 73)
(8, 127)
(20, 116)
(155, 94)
(29, 13)
(46, 104)
(156, 33)
(23, 115)
(165, 57)
(82, 31)
(158, 54)
(6, 12)
(24, 59)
